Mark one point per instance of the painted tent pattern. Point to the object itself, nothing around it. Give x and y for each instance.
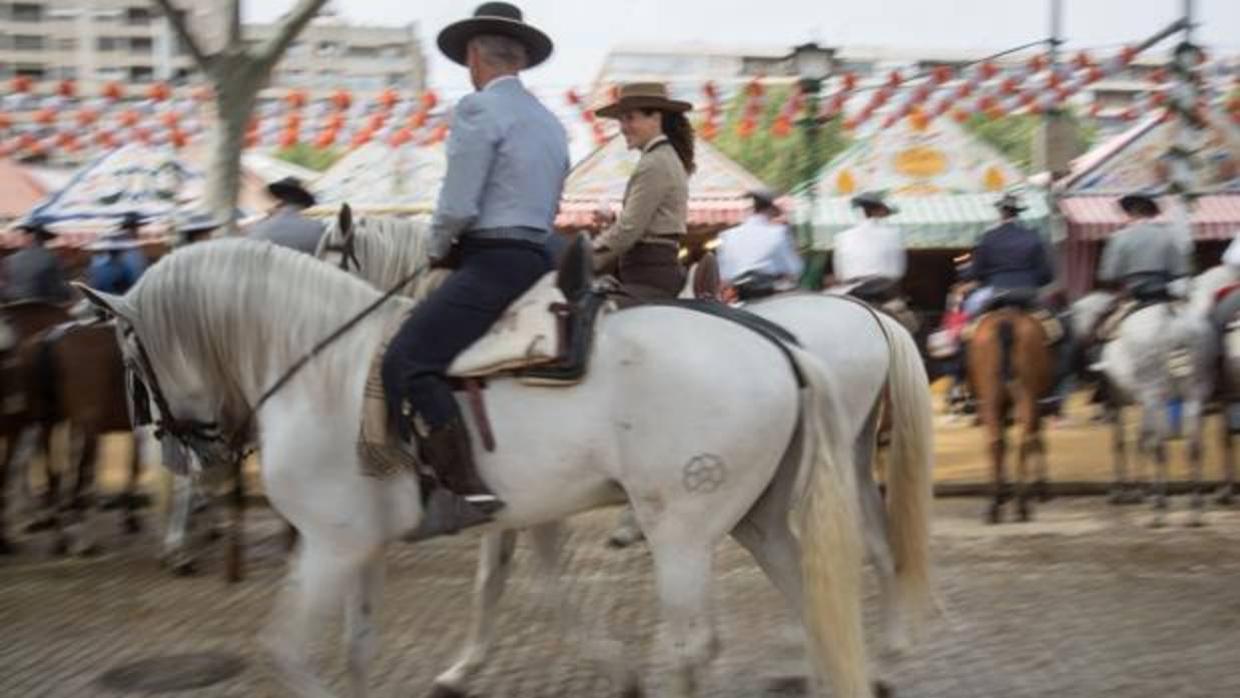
(1136, 160)
(150, 181)
(919, 158)
(379, 177)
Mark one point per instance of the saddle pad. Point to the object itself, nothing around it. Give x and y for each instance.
(381, 454)
(527, 334)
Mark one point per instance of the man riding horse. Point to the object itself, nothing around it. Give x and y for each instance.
(507, 160)
(758, 257)
(869, 259)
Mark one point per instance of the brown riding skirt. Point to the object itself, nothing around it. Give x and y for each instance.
(649, 272)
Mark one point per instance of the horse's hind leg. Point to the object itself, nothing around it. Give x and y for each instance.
(130, 523)
(682, 575)
(1154, 447)
(998, 448)
(1228, 493)
(1193, 431)
(494, 565)
(84, 496)
(1122, 491)
(361, 630)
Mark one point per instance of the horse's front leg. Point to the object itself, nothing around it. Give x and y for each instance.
(1193, 432)
(1230, 417)
(494, 566)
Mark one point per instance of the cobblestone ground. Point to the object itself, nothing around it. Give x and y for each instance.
(1087, 601)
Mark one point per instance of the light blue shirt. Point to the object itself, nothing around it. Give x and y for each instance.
(507, 160)
(758, 245)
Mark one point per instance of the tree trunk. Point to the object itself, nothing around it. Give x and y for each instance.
(234, 101)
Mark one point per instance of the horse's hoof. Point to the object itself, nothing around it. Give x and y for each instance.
(441, 691)
(131, 525)
(87, 551)
(882, 689)
(994, 515)
(789, 686)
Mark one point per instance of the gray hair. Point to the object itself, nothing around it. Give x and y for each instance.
(501, 52)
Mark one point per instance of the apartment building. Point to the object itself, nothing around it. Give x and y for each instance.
(96, 41)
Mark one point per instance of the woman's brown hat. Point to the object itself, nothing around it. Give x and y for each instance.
(642, 95)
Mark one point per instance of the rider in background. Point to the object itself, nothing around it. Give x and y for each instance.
(1011, 258)
(34, 272)
(869, 259)
(758, 257)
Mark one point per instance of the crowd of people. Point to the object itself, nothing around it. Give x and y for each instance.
(494, 227)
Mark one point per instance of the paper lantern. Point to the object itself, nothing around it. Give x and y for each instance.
(295, 99)
(341, 99)
(21, 84)
(429, 99)
(45, 117)
(159, 92)
(113, 91)
(66, 89)
(401, 137)
(388, 98)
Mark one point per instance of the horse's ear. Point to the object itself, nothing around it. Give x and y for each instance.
(116, 306)
(346, 222)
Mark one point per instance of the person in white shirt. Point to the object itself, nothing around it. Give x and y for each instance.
(758, 256)
(1227, 299)
(872, 250)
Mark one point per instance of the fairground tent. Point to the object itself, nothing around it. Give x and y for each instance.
(717, 191)
(381, 179)
(1136, 160)
(22, 190)
(944, 181)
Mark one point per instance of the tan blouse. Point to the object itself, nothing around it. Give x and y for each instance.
(656, 205)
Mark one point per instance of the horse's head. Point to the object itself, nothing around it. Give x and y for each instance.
(338, 245)
(164, 389)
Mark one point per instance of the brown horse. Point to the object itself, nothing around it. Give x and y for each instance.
(81, 380)
(26, 321)
(1010, 370)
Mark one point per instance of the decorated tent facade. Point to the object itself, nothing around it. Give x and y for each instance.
(22, 190)
(381, 179)
(717, 190)
(943, 180)
(1134, 160)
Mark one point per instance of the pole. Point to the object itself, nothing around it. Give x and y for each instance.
(1055, 149)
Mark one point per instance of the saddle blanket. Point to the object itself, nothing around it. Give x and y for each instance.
(526, 335)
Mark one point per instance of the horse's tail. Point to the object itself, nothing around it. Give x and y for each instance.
(825, 519)
(909, 474)
(1007, 338)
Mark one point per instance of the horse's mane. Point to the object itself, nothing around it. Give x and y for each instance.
(389, 248)
(243, 309)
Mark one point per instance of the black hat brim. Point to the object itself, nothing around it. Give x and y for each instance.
(292, 194)
(1133, 203)
(455, 37)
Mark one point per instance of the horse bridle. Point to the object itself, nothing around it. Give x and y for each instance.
(186, 431)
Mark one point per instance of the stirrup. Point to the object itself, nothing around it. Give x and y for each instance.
(447, 513)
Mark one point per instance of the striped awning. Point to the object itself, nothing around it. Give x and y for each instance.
(928, 222)
(576, 214)
(1214, 217)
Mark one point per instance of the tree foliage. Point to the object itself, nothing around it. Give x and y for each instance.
(1015, 136)
(780, 161)
(309, 156)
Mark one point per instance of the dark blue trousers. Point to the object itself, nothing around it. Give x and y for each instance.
(491, 275)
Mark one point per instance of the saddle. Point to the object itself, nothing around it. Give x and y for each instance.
(544, 338)
(1024, 301)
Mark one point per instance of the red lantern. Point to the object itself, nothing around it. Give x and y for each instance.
(105, 139)
(388, 98)
(342, 100)
(418, 120)
(895, 79)
(66, 88)
(295, 99)
(753, 89)
(376, 122)
(989, 70)
(362, 138)
(1158, 75)
(850, 82)
(429, 100)
(26, 141)
(782, 127)
(942, 75)
(1037, 64)
(45, 117)
(159, 92)
(179, 139)
(169, 119)
(1082, 61)
(335, 121)
(128, 118)
(5, 122)
(113, 91)
(325, 140)
(964, 90)
(288, 138)
(709, 131)
(960, 116)
(86, 117)
(401, 137)
(572, 97)
(142, 135)
(21, 84)
(292, 121)
(746, 127)
(1127, 55)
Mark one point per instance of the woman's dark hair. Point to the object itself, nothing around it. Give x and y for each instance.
(680, 134)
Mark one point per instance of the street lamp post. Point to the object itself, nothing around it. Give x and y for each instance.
(813, 64)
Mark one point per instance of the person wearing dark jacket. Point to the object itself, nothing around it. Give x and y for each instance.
(1011, 256)
(34, 272)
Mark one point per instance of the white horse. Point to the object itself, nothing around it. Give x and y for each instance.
(877, 358)
(221, 322)
(1160, 354)
(1205, 288)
